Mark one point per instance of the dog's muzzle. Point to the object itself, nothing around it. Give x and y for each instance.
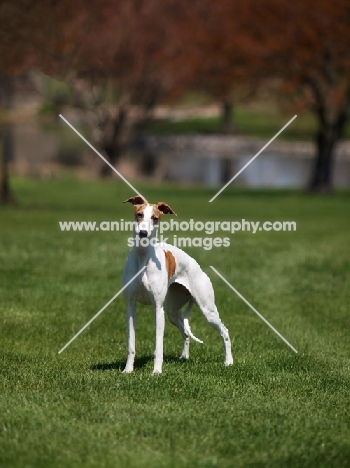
(143, 233)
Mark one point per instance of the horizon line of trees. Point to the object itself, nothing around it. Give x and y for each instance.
(152, 51)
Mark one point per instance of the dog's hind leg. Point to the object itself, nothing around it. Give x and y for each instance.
(176, 298)
(186, 349)
(187, 328)
(205, 300)
(213, 318)
(175, 317)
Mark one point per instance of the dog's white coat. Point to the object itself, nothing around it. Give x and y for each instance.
(189, 284)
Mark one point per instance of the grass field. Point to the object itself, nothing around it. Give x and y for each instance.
(249, 121)
(273, 408)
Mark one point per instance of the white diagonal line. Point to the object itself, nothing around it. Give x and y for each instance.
(100, 311)
(103, 158)
(254, 157)
(253, 309)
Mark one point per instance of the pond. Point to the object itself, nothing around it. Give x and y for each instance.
(209, 160)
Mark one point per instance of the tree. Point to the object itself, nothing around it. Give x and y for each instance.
(110, 45)
(30, 33)
(149, 50)
(237, 46)
(218, 47)
(6, 138)
(307, 49)
(136, 55)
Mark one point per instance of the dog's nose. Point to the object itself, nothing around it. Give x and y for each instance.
(143, 233)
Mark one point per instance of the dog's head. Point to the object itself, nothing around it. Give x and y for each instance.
(148, 215)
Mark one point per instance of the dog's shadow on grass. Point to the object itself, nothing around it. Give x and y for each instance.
(140, 362)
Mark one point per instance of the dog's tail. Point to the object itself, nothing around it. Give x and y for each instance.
(187, 328)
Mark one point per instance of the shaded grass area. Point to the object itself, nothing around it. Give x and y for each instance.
(263, 123)
(271, 409)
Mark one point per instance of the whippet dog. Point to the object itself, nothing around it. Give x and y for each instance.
(171, 279)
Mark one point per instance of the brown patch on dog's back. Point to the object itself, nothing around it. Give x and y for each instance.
(170, 263)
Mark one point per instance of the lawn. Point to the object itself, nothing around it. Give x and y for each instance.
(273, 408)
(249, 121)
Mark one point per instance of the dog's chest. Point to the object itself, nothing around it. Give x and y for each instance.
(147, 288)
(143, 291)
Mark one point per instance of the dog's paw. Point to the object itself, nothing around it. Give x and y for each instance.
(157, 372)
(228, 362)
(128, 370)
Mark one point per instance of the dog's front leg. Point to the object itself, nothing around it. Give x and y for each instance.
(130, 325)
(158, 353)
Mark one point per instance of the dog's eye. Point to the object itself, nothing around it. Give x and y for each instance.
(139, 215)
(154, 219)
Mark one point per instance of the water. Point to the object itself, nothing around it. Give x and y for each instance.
(267, 171)
(208, 160)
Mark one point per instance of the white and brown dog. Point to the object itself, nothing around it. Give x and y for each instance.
(171, 279)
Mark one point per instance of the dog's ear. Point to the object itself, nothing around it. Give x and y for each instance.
(137, 200)
(165, 208)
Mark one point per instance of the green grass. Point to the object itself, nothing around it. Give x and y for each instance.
(271, 409)
(263, 123)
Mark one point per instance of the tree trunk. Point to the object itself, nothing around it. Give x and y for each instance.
(6, 141)
(331, 129)
(327, 138)
(226, 170)
(112, 146)
(321, 179)
(227, 118)
(6, 196)
(112, 152)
